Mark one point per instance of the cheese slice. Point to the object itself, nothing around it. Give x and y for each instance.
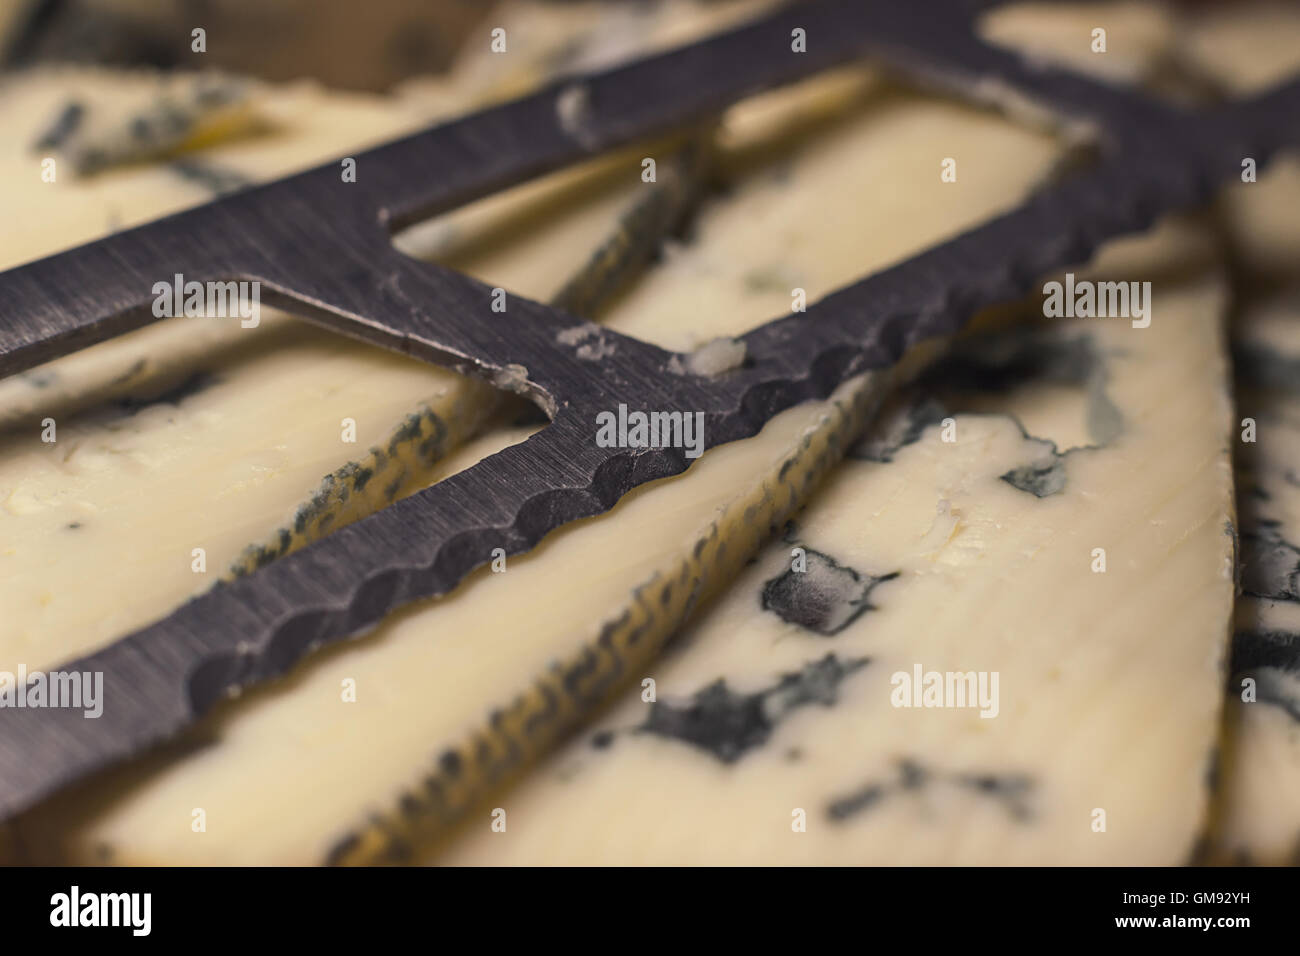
(1245, 48)
(207, 447)
(1225, 54)
(955, 543)
(1257, 817)
(465, 691)
(544, 39)
(399, 807)
(1245, 51)
(1134, 44)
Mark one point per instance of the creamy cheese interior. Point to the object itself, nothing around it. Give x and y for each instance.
(474, 670)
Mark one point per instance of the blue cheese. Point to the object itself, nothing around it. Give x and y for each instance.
(940, 662)
(1257, 818)
(467, 690)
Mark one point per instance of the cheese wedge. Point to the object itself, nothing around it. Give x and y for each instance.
(406, 810)
(1257, 818)
(466, 690)
(1246, 50)
(952, 655)
(181, 404)
(162, 438)
(1133, 45)
(1224, 53)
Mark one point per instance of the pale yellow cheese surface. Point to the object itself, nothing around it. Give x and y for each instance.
(989, 578)
(431, 677)
(958, 533)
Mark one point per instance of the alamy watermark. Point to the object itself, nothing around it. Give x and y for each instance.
(209, 299)
(1085, 299)
(947, 689)
(133, 911)
(636, 429)
(72, 690)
